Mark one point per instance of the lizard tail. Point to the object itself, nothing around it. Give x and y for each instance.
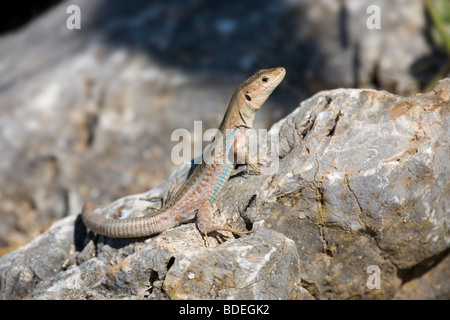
(126, 228)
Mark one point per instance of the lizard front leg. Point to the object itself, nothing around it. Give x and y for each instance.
(241, 150)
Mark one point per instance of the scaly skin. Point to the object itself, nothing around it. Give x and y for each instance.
(194, 198)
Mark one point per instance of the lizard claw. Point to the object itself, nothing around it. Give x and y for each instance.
(254, 167)
(205, 239)
(234, 230)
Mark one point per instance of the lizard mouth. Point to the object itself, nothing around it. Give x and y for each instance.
(280, 75)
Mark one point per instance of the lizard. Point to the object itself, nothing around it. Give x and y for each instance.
(193, 199)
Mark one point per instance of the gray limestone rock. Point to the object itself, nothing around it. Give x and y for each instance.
(357, 208)
(41, 259)
(87, 115)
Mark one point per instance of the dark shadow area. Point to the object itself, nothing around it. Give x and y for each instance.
(217, 37)
(214, 36)
(421, 268)
(427, 67)
(118, 243)
(435, 65)
(18, 13)
(80, 234)
(343, 26)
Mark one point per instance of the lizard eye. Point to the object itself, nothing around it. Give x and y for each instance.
(265, 79)
(248, 97)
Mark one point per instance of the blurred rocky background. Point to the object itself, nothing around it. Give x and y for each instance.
(87, 114)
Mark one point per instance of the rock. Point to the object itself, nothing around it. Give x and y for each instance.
(178, 266)
(41, 259)
(363, 181)
(86, 115)
(262, 266)
(433, 284)
(357, 209)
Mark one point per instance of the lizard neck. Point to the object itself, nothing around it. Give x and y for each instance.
(238, 114)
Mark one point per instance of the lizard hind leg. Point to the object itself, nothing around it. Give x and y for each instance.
(161, 199)
(204, 221)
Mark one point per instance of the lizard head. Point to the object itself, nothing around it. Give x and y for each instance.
(250, 96)
(256, 89)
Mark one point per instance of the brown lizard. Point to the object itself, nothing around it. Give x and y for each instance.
(194, 198)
